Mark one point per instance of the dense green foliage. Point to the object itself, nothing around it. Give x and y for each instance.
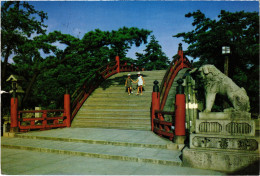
(70, 67)
(153, 57)
(240, 31)
(18, 23)
(48, 69)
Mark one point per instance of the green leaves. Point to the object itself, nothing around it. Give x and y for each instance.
(153, 58)
(240, 31)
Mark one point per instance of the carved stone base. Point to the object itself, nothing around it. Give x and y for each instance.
(230, 162)
(224, 143)
(226, 127)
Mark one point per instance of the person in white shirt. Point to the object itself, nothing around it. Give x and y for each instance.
(140, 82)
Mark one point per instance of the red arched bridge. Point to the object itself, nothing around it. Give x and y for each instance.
(63, 117)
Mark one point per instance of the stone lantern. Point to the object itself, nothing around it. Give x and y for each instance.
(17, 90)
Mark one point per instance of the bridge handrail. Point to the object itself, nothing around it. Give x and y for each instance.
(169, 76)
(54, 121)
(161, 126)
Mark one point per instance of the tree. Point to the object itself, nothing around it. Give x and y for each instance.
(240, 31)
(18, 23)
(70, 67)
(29, 61)
(153, 58)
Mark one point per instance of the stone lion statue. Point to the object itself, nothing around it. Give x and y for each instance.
(215, 82)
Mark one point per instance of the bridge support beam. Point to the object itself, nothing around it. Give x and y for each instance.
(180, 137)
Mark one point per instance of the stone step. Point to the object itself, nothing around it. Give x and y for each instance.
(115, 125)
(114, 120)
(142, 128)
(106, 102)
(125, 99)
(120, 95)
(83, 112)
(111, 116)
(107, 136)
(123, 153)
(115, 106)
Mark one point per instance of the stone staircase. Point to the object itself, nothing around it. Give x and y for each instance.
(110, 106)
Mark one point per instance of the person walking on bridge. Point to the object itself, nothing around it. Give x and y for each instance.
(128, 84)
(140, 82)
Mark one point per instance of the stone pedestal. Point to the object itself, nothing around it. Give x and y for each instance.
(230, 162)
(179, 139)
(221, 139)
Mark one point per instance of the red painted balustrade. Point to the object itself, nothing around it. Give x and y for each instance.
(49, 119)
(158, 124)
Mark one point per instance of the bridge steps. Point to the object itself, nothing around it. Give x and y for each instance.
(110, 106)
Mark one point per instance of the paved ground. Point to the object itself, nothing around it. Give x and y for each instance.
(22, 162)
(92, 151)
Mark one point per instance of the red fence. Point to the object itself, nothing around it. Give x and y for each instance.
(161, 127)
(48, 119)
(39, 119)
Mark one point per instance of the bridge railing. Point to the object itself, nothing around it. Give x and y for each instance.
(172, 71)
(47, 119)
(159, 125)
(94, 81)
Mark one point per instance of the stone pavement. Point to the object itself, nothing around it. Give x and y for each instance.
(22, 162)
(92, 151)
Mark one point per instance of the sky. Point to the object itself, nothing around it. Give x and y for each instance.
(164, 18)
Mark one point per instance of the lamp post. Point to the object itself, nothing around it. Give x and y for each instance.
(226, 51)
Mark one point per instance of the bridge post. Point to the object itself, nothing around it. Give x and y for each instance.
(14, 112)
(180, 114)
(180, 53)
(155, 102)
(118, 64)
(67, 107)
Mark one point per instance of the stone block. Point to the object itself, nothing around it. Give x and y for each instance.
(224, 115)
(229, 162)
(224, 143)
(38, 114)
(8, 134)
(236, 127)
